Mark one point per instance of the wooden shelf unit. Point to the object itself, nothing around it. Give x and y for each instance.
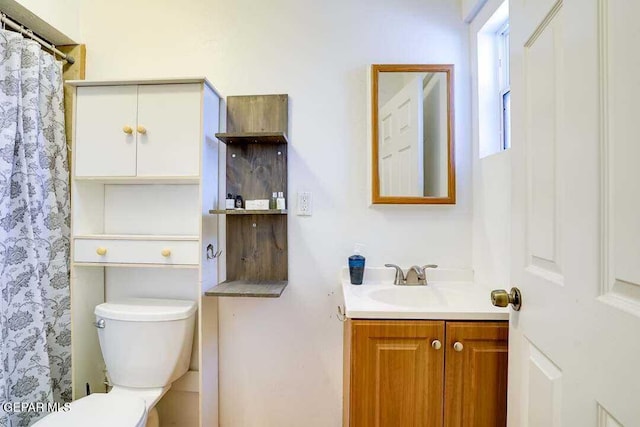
(248, 212)
(249, 288)
(256, 166)
(253, 137)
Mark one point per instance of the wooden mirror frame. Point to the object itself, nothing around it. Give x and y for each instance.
(376, 198)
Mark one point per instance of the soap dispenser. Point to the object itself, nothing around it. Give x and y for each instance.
(356, 265)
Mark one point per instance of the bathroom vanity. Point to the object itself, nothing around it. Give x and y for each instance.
(433, 355)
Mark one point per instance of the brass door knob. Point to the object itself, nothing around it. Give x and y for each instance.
(502, 298)
(436, 344)
(127, 129)
(101, 251)
(141, 129)
(166, 252)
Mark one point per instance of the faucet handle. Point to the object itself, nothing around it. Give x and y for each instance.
(399, 274)
(424, 270)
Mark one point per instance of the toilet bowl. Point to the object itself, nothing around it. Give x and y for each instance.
(146, 345)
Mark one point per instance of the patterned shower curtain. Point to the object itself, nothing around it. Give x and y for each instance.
(35, 312)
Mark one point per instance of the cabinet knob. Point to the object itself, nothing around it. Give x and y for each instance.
(101, 251)
(457, 346)
(141, 129)
(166, 252)
(127, 129)
(436, 344)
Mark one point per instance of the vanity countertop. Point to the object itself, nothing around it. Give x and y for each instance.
(450, 295)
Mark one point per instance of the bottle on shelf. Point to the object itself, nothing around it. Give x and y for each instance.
(280, 201)
(239, 204)
(273, 203)
(230, 202)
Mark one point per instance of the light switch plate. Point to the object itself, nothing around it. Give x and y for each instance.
(305, 205)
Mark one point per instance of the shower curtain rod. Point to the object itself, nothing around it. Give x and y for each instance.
(28, 33)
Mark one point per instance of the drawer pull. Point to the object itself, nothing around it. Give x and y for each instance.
(166, 252)
(127, 129)
(101, 251)
(436, 344)
(141, 129)
(457, 346)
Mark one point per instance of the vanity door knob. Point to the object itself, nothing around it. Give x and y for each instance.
(166, 252)
(101, 251)
(141, 129)
(436, 344)
(127, 129)
(457, 346)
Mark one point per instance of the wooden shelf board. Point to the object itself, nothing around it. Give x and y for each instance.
(116, 264)
(139, 179)
(135, 237)
(248, 288)
(253, 137)
(186, 80)
(248, 212)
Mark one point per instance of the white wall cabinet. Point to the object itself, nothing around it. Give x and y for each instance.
(145, 175)
(138, 130)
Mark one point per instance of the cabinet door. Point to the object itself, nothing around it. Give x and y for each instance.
(476, 374)
(171, 118)
(396, 376)
(102, 146)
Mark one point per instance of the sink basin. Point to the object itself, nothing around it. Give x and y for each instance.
(450, 295)
(417, 296)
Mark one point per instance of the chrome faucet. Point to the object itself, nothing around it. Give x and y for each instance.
(416, 275)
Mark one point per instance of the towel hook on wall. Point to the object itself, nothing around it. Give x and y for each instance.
(211, 254)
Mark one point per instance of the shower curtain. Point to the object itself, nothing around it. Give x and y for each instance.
(35, 312)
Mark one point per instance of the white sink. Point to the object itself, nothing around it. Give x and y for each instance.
(455, 299)
(409, 296)
(421, 296)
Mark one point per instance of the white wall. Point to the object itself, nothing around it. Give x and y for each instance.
(470, 9)
(491, 174)
(281, 359)
(55, 20)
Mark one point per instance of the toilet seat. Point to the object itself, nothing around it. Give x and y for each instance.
(100, 410)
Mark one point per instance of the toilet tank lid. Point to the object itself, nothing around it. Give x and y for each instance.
(146, 309)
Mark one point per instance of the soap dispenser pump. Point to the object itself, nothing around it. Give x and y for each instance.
(356, 265)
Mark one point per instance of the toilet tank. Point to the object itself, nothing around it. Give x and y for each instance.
(146, 342)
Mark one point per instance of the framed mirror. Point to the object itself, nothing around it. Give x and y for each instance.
(412, 120)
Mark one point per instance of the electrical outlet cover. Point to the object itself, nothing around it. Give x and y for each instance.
(304, 203)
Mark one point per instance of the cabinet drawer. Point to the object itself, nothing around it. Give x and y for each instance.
(136, 251)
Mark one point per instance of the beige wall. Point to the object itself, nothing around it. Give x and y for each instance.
(55, 20)
(280, 360)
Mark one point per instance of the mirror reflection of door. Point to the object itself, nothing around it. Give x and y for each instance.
(413, 134)
(435, 135)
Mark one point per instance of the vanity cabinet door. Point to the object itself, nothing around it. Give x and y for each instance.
(476, 374)
(169, 129)
(395, 375)
(105, 134)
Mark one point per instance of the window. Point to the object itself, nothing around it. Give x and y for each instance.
(504, 83)
(493, 83)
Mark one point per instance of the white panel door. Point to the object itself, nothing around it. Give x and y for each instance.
(171, 118)
(401, 147)
(574, 346)
(102, 146)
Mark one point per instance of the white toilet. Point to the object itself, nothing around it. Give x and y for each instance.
(146, 345)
